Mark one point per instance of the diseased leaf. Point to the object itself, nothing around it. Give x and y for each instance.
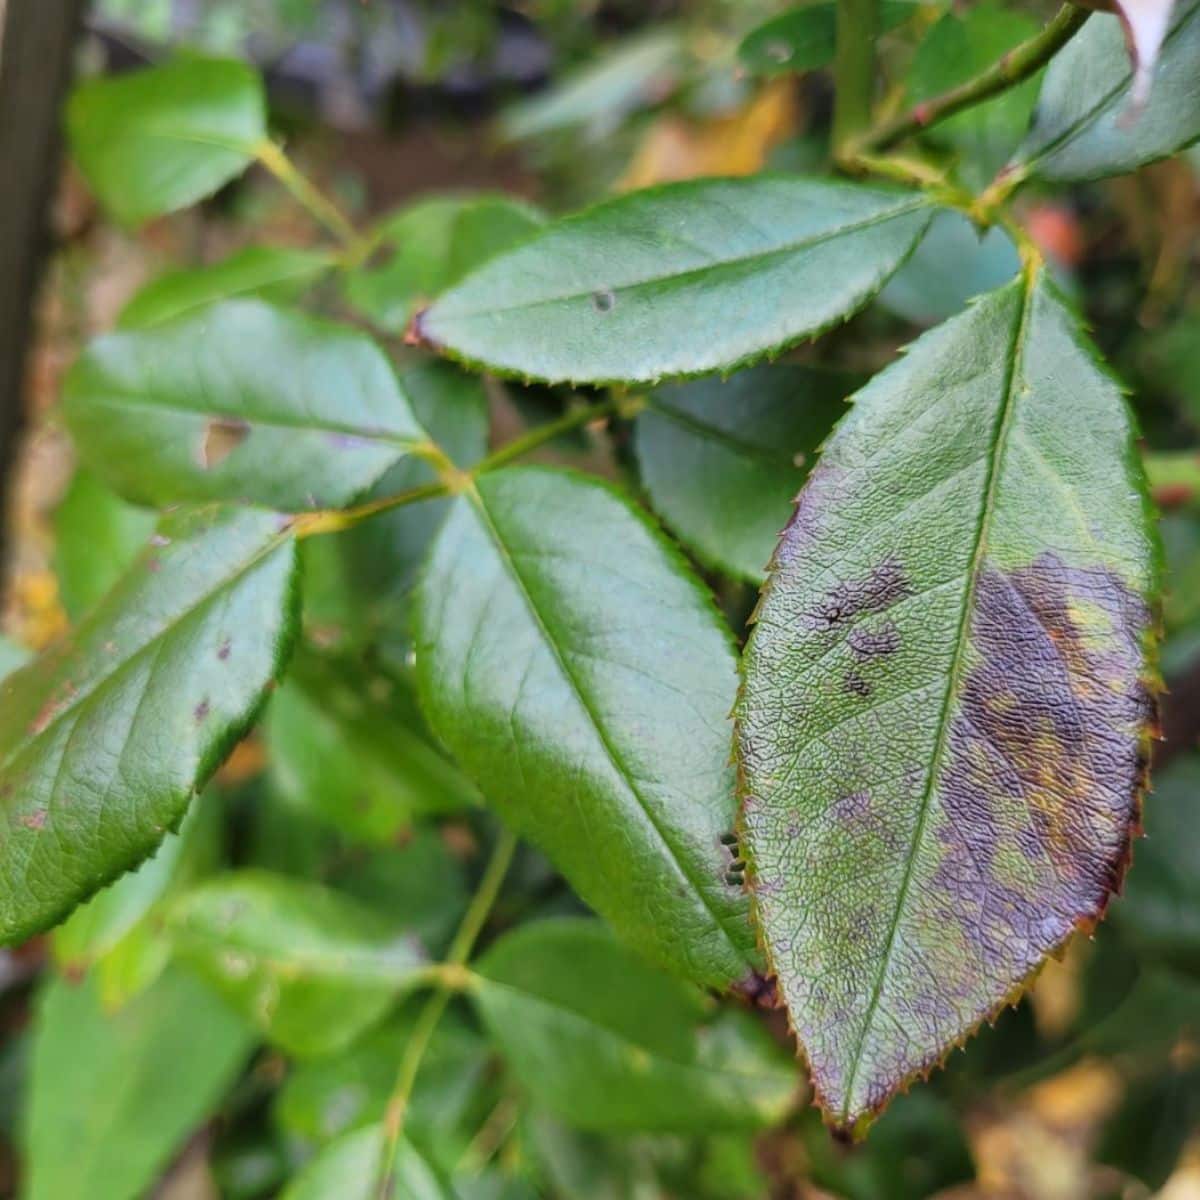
(97, 535)
(578, 671)
(433, 244)
(311, 968)
(159, 139)
(113, 1097)
(804, 38)
(268, 272)
(679, 280)
(1087, 123)
(105, 738)
(349, 1170)
(722, 461)
(1160, 910)
(947, 699)
(639, 1056)
(240, 401)
(362, 762)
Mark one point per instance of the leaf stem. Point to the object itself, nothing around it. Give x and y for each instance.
(1017, 65)
(452, 478)
(853, 72)
(455, 964)
(313, 201)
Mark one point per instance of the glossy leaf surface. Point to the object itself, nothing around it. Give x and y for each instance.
(722, 461)
(268, 272)
(639, 1056)
(579, 672)
(241, 402)
(311, 968)
(105, 738)
(678, 280)
(431, 245)
(159, 139)
(947, 701)
(114, 1097)
(1086, 124)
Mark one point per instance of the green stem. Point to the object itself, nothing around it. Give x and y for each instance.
(1018, 64)
(451, 479)
(435, 1006)
(853, 72)
(319, 206)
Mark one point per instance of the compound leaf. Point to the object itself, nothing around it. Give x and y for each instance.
(722, 461)
(579, 672)
(311, 967)
(641, 1056)
(678, 280)
(159, 139)
(114, 1095)
(1088, 123)
(240, 401)
(947, 699)
(105, 738)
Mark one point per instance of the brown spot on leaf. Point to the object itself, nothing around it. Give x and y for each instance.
(224, 649)
(35, 820)
(874, 592)
(221, 437)
(201, 710)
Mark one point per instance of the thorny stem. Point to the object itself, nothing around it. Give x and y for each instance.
(452, 479)
(1018, 64)
(313, 201)
(853, 72)
(448, 982)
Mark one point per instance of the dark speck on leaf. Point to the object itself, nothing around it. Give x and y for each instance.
(878, 643)
(856, 684)
(604, 300)
(201, 710)
(224, 650)
(874, 592)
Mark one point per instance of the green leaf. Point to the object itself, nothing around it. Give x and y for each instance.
(722, 461)
(679, 280)
(362, 762)
(363, 578)
(641, 1055)
(1086, 125)
(311, 968)
(959, 47)
(110, 932)
(105, 738)
(268, 272)
(637, 73)
(97, 535)
(1160, 910)
(925, 292)
(804, 38)
(241, 402)
(434, 243)
(579, 672)
(349, 1170)
(324, 1098)
(159, 139)
(947, 700)
(12, 656)
(114, 1097)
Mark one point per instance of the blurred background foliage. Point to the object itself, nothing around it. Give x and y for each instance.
(419, 114)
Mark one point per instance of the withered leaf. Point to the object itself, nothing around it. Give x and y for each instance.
(948, 694)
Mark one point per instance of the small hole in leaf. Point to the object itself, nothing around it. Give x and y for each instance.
(222, 436)
(604, 300)
(778, 52)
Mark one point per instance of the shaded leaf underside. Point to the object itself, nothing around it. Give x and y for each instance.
(946, 700)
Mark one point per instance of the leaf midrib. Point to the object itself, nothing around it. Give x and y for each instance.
(477, 502)
(712, 433)
(672, 277)
(1000, 440)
